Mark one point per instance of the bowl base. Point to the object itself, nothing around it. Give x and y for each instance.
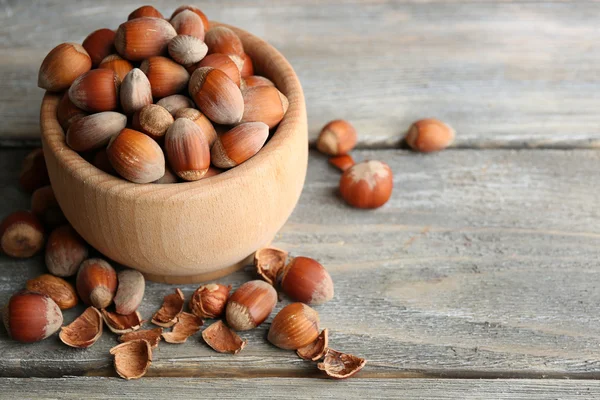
(199, 278)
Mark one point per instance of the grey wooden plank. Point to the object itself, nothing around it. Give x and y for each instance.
(504, 74)
(483, 264)
(285, 388)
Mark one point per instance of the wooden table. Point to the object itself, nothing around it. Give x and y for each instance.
(478, 280)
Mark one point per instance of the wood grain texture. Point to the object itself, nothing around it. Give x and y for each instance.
(483, 264)
(281, 388)
(504, 74)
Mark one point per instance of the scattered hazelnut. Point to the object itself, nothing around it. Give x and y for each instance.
(219, 98)
(62, 66)
(188, 23)
(239, 144)
(336, 138)
(136, 157)
(30, 317)
(269, 261)
(59, 290)
(133, 358)
(187, 50)
(168, 313)
(221, 39)
(317, 349)
(152, 336)
(33, 173)
(264, 104)
(99, 44)
(295, 326)
(45, 206)
(153, 120)
(250, 305)
(141, 38)
(342, 162)
(145, 11)
(96, 90)
(428, 135)
(121, 324)
(187, 324)
(96, 283)
(21, 235)
(120, 66)
(130, 291)
(165, 75)
(222, 339)
(175, 103)
(94, 131)
(84, 331)
(305, 280)
(340, 365)
(65, 251)
(367, 184)
(208, 301)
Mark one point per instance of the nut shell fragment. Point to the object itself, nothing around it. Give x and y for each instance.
(84, 331)
(187, 325)
(222, 339)
(340, 365)
(120, 324)
(269, 261)
(208, 301)
(132, 359)
(317, 349)
(168, 313)
(152, 336)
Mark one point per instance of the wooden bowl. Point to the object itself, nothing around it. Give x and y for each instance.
(194, 231)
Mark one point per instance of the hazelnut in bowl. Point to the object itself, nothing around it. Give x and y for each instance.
(187, 231)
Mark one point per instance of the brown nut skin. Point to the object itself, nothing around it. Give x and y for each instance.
(221, 39)
(67, 112)
(65, 63)
(209, 301)
(295, 326)
(336, 138)
(21, 235)
(136, 157)
(429, 135)
(33, 173)
(94, 131)
(30, 317)
(187, 150)
(117, 64)
(45, 206)
(145, 11)
(96, 283)
(65, 251)
(367, 184)
(216, 95)
(99, 44)
(264, 104)
(96, 91)
(59, 290)
(140, 38)
(305, 280)
(196, 10)
(130, 291)
(250, 305)
(239, 144)
(165, 75)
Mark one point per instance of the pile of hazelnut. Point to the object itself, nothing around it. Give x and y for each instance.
(126, 107)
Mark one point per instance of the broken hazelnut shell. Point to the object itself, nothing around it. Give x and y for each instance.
(269, 261)
(222, 339)
(96, 283)
(132, 359)
(340, 365)
(305, 280)
(59, 290)
(250, 305)
(209, 301)
(168, 313)
(317, 349)
(84, 331)
(152, 336)
(187, 324)
(295, 326)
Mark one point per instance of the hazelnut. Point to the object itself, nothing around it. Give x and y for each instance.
(67, 113)
(30, 317)
(117, 64)
(84, 331)
(367, 184)
(94, 131)
(222, 339)
(217, 96)
(336, 138)
(96, 90)
(224, 63)
(342, 162)
(45, 206)
(187, 50)
(99, 44)
(130, 291)
(195, 10)
(295, 326)
(305, 280)
(255, 80)
(187, 324)
(21, 235)
(59, 290)
(65, 251)
(33, 173)
(136, 157)
(221, 39)
(96, 283)
(65, 63)
(428, 135)
(264, 104)
(208, 301)
(188, 23)
(269, 262)
(145, 11)
(250, 305)
(153, 120)
(165, 75)
(135, 92)
(239, 144)
(133, 358)
(203, 123)
(339, 365)
(187, 150)
(152, 336)
(175, 102)
(141, 38)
